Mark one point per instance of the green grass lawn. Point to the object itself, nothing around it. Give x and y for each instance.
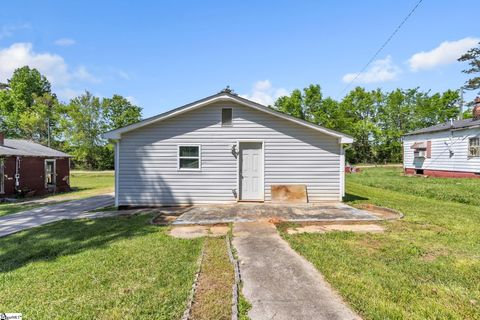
(457, 190)
(111, 268)
(426, 266)
(213, 295)
(84, 184)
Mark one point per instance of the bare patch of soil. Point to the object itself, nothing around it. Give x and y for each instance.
(384, 213)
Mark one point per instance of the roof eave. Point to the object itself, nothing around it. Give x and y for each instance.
(117, 134)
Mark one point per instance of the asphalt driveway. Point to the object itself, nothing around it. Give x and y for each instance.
(67, 210)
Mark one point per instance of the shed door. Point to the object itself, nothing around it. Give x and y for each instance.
(251, 171)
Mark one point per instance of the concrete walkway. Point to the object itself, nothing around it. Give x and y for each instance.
(278, 282)
(67, 210)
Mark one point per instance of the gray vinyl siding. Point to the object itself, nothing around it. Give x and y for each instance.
(441, 159)
(294, 154)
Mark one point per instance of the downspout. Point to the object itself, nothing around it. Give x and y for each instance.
(344, 149)
(17, 173)
(117, 169)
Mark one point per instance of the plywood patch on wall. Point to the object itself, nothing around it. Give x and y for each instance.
(289, 193)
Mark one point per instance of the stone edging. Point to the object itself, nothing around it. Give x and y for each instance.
(188, 310)
(236, 285)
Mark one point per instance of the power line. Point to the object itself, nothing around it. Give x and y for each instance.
(381, 48)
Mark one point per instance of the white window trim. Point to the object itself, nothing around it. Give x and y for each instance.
(221, 118)
(199, 157)
(470, 146)
(54, 171)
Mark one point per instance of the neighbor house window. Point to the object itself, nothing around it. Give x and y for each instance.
(420, 149)
(226, 117)
(49, 173)
(189, 157)
(474, 147)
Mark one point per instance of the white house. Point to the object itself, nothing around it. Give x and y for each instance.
(449, 149)
(224, 149)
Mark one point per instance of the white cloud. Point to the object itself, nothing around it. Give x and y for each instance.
(81, 73)
(132, 100)
(264, 93)
(64, 42)
(53, 66)
(381, 70)
(122, 74)
(447, 52)
(69, 93)
(9, 30)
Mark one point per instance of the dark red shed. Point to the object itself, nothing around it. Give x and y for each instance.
(30, 168)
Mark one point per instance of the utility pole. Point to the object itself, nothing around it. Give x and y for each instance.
(48, 132)
(460, 116)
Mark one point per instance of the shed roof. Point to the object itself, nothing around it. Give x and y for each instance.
(450, 125)
(19, 147)
(225, 96)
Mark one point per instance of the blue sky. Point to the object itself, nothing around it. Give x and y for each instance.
(162, 54)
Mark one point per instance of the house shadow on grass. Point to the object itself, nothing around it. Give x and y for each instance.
(68, 237)
(350, 197)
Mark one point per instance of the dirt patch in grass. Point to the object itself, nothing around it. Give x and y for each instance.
(213, 295)
(372, 228)
(384, 213)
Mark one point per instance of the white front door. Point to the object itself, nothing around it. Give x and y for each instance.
(251, 171)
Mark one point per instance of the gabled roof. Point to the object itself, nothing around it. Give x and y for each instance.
(224, 96)
(17, 147)
(450, 125)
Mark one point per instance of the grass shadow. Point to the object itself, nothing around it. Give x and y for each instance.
(68, 237)
(350, 197)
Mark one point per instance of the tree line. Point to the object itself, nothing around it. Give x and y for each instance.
(30, 110)
(376, 119)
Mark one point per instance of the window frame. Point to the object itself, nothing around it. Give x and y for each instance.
(54, 173)
(199, 146)
(231, 118)
(470, 146)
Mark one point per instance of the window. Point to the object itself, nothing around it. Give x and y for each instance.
(474, 147)
(189, 157)
(420, 153)
(422, 150)
(226, 117)
(49, 173)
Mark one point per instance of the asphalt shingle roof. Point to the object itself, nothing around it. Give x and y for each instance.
(456, 124)
(17, 147)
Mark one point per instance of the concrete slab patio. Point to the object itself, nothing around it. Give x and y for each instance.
(278, 282)
(248, 212)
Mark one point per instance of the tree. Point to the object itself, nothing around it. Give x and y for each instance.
(83, 127)
(87, 118)
(472, 56)
(25, 83)
(119, 112)
(292, 105)
(26, 105)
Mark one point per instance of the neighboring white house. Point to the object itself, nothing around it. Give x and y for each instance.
(449, 149)
(223, 149)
